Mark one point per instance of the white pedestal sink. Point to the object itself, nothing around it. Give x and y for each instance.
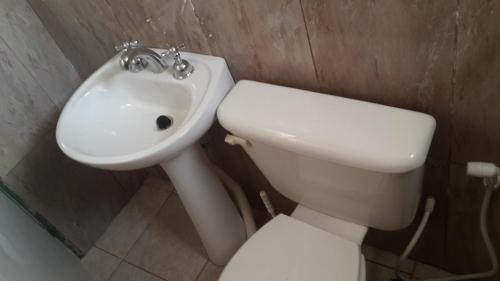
(110, 122)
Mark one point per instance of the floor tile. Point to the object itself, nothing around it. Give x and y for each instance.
(100, 264)
(128, 272)
(131, 180)
(424, 271)
(386, 258)
(170, 246)
(78, 200)
(375, 272)
(210, 272)
(128, 226)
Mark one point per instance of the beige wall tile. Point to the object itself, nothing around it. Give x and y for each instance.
(86, 31)
(476, 100)
(263, 40)
(172, 22)
(33, 46)
(25, 110)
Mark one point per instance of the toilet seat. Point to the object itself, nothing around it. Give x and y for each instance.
(288, 249)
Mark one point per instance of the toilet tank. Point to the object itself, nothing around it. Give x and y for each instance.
(354, 160)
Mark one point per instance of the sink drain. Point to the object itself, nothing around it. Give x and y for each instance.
(163, 122)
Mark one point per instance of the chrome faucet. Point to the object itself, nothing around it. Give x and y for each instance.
(135, 58)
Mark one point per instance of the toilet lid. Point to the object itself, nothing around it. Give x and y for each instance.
(288, 249)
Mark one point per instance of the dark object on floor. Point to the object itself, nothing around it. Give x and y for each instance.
(397, 278)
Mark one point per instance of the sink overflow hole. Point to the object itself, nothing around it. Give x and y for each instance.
(163, 122)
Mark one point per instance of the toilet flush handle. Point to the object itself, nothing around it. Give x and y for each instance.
(234, 140)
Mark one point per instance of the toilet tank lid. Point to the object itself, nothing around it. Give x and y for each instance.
(340, 130)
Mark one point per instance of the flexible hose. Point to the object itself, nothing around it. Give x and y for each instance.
(267, 203)
(241, 201)
(487, 241)
(429, 208)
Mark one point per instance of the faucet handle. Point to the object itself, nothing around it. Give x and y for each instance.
(181, 46)
(173, 52)
(127, 45)
(181, 68)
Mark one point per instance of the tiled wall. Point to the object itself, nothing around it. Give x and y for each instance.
(36, 80)
(440, 57)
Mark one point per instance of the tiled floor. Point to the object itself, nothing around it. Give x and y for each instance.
(152, 239)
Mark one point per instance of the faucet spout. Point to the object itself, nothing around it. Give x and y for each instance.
(140, 58)
(135, 58)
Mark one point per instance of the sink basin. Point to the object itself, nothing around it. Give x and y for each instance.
(113, 121)
(110, 121)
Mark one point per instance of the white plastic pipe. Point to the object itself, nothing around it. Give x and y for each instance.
(241, 200)
(482, 169)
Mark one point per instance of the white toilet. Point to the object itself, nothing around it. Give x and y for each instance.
(349, 165)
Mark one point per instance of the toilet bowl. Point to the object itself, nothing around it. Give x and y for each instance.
(289, 249)
(305, 246)
(348, 164)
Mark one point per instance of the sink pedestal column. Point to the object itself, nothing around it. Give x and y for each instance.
(214, 215)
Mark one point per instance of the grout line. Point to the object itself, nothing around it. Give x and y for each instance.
(451, 125)
(202, 269)
(122, 187)
(387, 266)
(114, 270)
(145, 228)
(36, 12)
(145, 270)
(309, 43)
(149, 224)
(107, 252)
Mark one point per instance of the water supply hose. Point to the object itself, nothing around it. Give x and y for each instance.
(491, 181)
(429, 208)
(240, 199)
(487, 241)
(267, 203)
